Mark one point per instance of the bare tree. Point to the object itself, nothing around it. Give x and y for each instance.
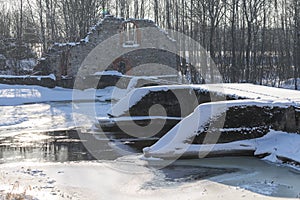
(155, 8)
(233, 20)
(296, 5)
(251, 10)
(252, 40)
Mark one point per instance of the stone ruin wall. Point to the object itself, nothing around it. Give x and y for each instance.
(68, 58)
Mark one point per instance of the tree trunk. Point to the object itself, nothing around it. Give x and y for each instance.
(297, 43)
(233, 43)
(248, 51)
(136, 9)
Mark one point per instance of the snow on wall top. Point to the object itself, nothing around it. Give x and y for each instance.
(236, 91)
(51, 76)
(251, 91)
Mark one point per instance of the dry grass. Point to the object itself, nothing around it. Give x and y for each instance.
(12, 195)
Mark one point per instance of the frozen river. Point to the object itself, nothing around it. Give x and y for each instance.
(51, 137)
(41, 117)
(46, 132)
(50, 132)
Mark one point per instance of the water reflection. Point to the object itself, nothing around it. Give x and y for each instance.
(56, 146)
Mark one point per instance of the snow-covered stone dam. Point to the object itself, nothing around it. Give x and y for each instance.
(181, 100)
(210, 114)
(167, 105)
(264, 123)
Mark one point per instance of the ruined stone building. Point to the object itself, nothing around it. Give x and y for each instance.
(134, 46)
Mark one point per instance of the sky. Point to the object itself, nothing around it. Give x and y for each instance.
(8, 3)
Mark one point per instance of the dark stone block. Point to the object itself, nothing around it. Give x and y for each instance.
(45, 82)
(249, 122)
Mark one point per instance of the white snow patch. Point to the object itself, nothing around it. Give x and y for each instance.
(130, 45)
(279, 144)
(87, 39)
(51, 76)
(108, 73)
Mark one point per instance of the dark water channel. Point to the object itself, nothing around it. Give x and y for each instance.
(54, 146)
(68, 145)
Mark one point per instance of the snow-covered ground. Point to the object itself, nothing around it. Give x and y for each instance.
(130, 178)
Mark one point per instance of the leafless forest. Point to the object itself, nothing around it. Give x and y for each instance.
(249, 40)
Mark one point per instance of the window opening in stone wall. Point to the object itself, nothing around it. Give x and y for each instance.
(130, 35)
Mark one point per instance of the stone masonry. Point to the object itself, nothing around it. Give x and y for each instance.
(134, 46)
